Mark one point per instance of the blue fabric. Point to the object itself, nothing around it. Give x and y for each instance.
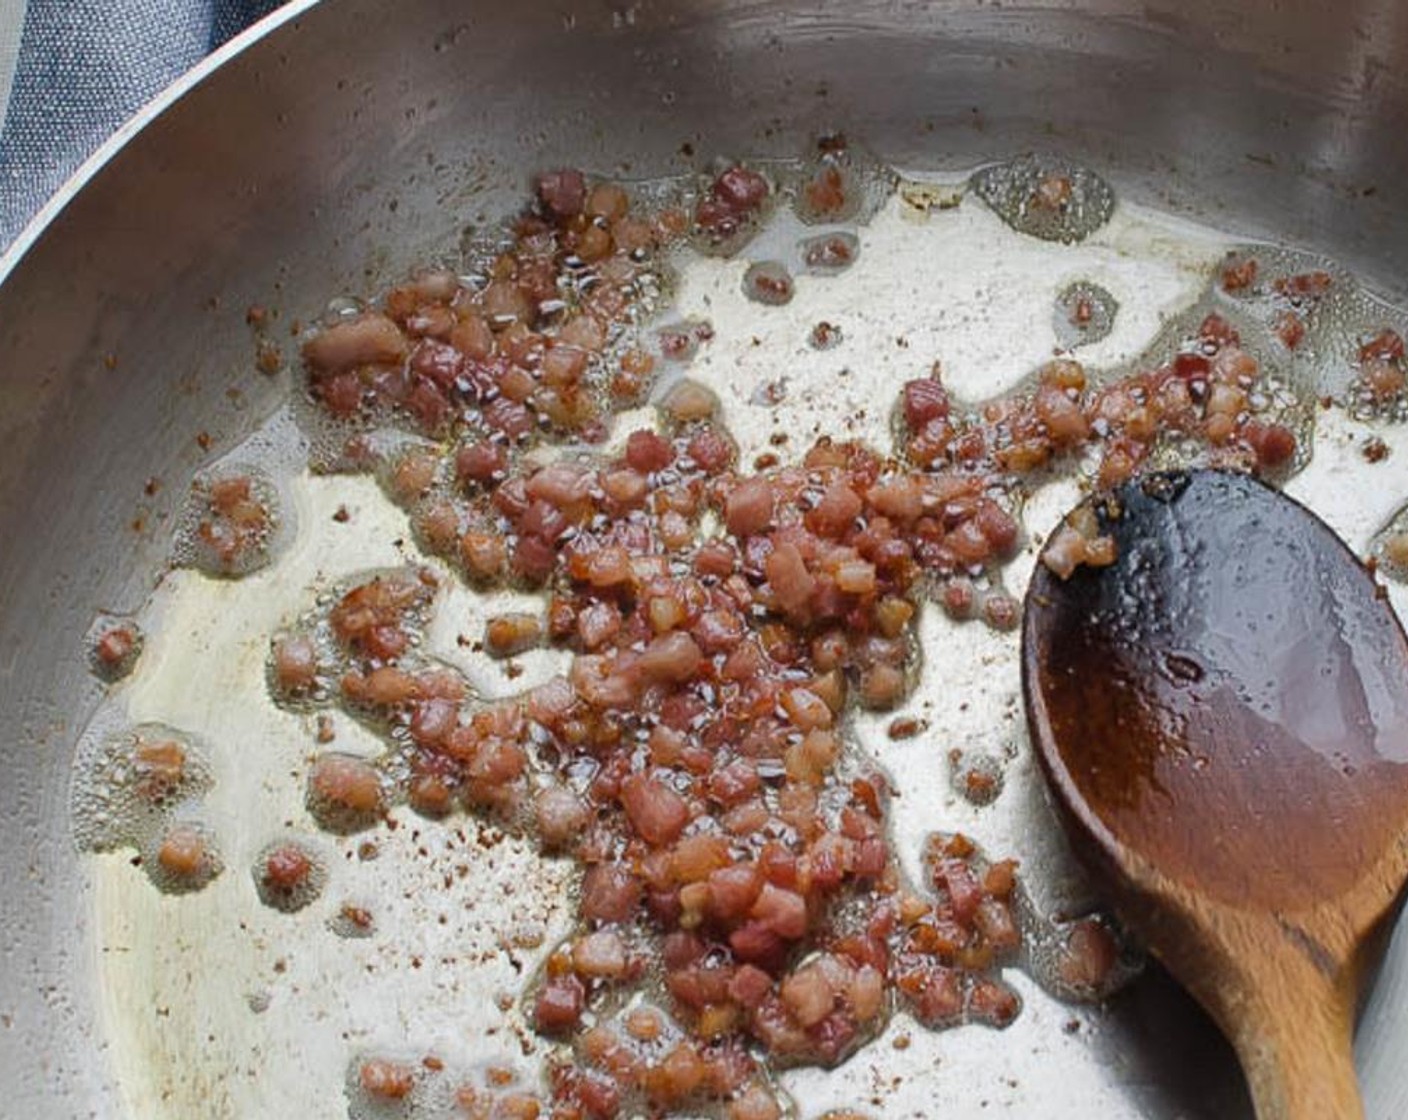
(84, 67)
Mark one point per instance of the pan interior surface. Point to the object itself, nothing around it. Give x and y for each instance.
(347, 142)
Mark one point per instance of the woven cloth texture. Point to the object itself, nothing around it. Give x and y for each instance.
(84, 67)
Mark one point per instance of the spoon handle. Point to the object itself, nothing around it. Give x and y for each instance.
(1297, 1051)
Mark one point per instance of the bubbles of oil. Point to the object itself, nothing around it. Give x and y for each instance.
(1389, 547)
(114, 645)
(307, 661)
(769, 283)
(129, 782)
(687, 401)
(1284, 392)
(345, 793)
(954, 866)
(829, 254)
(394, 1085)
(825, 336)
(1084, 313)
(411, 473)
(297, 670)
(183, 859)
(1046, 197)
(680, 342)
(342, 445)
(770, 394)
(618, 289)
(382, 1089)
(1341, 341)
(354, 921)
(232, 519)
(1085, 959)
(839, 181)
(289, 874)
(975, 777)
(730, 205)
(639, 1035)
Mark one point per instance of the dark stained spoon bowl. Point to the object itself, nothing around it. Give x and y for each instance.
(1222, 717)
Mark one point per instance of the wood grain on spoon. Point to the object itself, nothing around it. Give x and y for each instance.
(1222, 715)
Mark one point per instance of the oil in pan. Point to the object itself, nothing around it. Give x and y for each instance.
(424, 934)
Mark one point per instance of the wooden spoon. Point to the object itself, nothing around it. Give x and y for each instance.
(1222, 715)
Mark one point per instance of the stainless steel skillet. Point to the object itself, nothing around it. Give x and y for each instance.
(343, 140)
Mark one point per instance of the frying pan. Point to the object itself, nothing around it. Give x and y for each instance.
(339, 142)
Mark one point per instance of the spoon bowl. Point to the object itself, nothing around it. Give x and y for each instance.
(1221, 713)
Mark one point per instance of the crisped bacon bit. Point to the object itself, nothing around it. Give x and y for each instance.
(1382, 379)
(115, 649)
(562, 193)
(506, 635)
(1386, 346)
(790, 581)
(600, 956)
(561, 816)
(412, 477)
(733, 891)
(783, 912)
(756, 1103)
(835, 512)
(672, 658)
(610, 893)
(688, 401)
(655, 810)
(183, 853)
(993, 1002)
(825, 192)
(998, 527)
(1305, 286)
(286, 868)
(347, 784)
(731, 202)
(1053, 192)
(559, 1005)
(1273, 444)
(158, 768)
(1069, 548)
(386, 1080)
(1088, 958)
(647, 452)
(748, 508)
(924, 400)
(1239, 275)
(1218, 332)
(932, 992)
(482, 462)
(1290, 329)
(741, 187)
(369, 339)
(808, 995)
(711, 450)
(1063, 417)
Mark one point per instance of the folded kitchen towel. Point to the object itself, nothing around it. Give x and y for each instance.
(72, 71)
